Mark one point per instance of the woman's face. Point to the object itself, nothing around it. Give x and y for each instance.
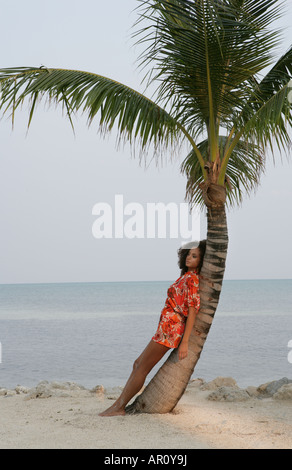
(193, 259)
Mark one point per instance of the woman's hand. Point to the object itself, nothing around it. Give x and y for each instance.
(183, 350)
(184, 345)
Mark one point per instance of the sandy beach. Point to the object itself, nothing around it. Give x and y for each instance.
(214, 415)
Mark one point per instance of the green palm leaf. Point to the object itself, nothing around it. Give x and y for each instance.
(271, 108)
(205, 57)
(205, 53)
(137, 117)
(246, 164)
(267, 116)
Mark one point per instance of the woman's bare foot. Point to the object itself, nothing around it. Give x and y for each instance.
(113, 411)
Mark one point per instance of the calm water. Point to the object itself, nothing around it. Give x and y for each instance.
(91, 333)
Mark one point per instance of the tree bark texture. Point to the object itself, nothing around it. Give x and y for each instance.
(166, 388)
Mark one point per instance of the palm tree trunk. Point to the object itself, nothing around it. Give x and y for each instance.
(168, 385)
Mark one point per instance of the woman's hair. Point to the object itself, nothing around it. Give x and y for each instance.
(183, 253)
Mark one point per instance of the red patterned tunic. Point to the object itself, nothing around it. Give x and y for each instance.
(181, 295)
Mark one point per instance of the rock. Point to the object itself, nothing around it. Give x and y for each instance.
(220, 382)
(46, 390)
(284, 392)
(252, 391)
(270, 388)
(4, 392)
(98, 390)
(69, 386)
(228, 394)
(20, 389)
(262, 388)
(42, 390)
(196, 383)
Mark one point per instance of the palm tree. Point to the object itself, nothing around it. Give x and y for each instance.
(209, 62)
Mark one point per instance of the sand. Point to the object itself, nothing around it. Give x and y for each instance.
(69, 420)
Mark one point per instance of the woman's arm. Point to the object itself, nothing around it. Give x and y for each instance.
(184, 345)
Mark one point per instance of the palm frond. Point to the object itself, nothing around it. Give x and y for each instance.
(244, 168)
(266, 122)
(206, 58)
(267, 115)
(136, 116)
(206, 52)
(271, 109)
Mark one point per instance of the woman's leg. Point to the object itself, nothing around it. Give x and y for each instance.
(141, 368)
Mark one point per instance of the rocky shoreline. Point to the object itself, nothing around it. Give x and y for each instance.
(215, 414)
(226, 389)
(219, 389)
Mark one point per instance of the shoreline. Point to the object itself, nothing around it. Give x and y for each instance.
(210, 415)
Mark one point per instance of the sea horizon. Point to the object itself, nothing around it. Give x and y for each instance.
(141, 280)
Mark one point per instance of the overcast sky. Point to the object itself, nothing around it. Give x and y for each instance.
(50, 180)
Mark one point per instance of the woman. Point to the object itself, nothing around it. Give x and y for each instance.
(175, 324)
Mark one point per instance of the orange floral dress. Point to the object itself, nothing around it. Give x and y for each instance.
(181, 295)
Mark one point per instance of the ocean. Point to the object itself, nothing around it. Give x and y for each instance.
(91, 333)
